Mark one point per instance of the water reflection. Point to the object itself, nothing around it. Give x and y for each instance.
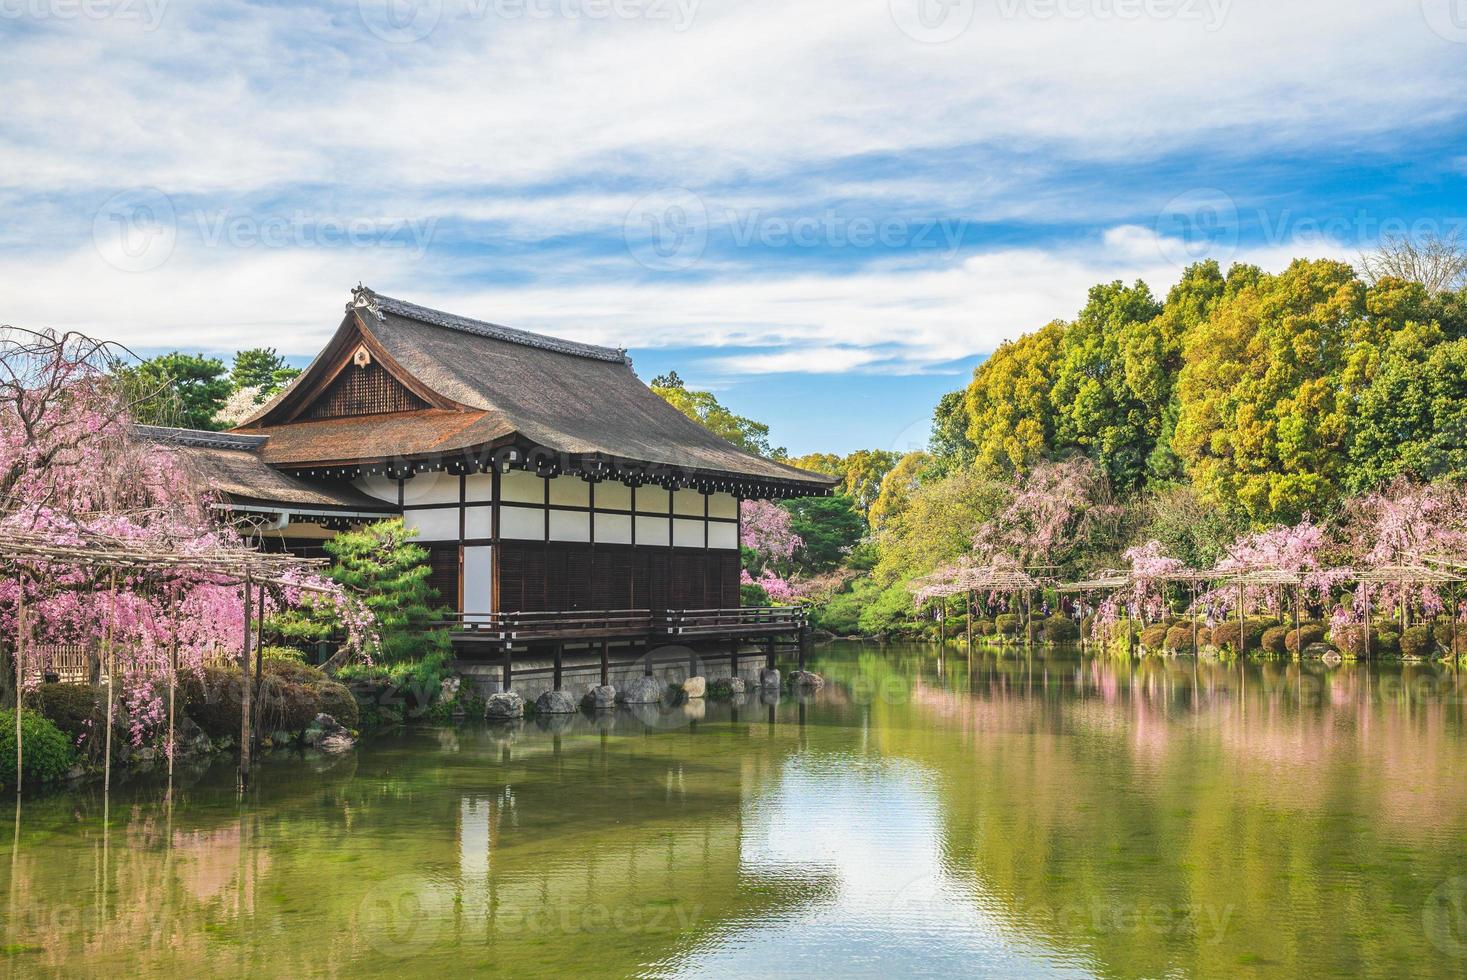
(1042, 815)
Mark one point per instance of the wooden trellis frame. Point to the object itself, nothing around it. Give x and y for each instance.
(24, 551)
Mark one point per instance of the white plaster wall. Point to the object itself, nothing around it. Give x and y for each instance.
(433, 525)
(613, 528)
(723, 505)
(687, 534)
(652, 530)
(478, 580)
(570, 525)
(522, 523)
(723, 536)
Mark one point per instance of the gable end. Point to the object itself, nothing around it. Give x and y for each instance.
(363, 387)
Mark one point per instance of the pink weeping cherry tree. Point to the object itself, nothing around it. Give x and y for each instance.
(771, 542)
(73, 472)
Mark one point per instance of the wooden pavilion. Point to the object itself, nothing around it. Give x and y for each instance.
(558, 496)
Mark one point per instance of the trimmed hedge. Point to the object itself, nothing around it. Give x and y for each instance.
(1225, 634)
(1008, 624)
(1304, 637)
(47, 753)
(1154, 636)
(1417, 641)
(1179, 638)
(75, 709)
(1061, 629)
(1273, 639)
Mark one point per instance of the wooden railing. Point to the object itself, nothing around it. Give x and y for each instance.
(580, 624)
(749, 621)
(523, 627)
(71, 663)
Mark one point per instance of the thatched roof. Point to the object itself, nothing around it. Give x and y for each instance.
(479, 383)
(231, 465)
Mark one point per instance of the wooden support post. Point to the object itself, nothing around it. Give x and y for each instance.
(172, 676)
(733, 659)
(559, 663)
(968, 610)
(1456, 612)
(942, 621)
(246, 687)
(259, 662)
(506, 670)
(1242, 628)
(605, 663)
(1194, 619)
(107, 651)
(1365, 588)
(805, 645)
(19, 679)
(1028, 619)
(769, 652)
(1298, 616)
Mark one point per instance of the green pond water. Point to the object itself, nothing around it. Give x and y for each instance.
(1049, 815)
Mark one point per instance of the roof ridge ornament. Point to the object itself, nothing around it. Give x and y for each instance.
(363, 298)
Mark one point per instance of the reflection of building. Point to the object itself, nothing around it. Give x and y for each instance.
(541, 474)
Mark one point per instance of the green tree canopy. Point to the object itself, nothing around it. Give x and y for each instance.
(190, 388)
(830, 528)
(262, 368)
(702, 407)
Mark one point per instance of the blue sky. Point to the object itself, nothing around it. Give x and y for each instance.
(827, 212)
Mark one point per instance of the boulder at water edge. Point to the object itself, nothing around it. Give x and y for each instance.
(602, 698)
(695, 687)
(642, 690)
(807, 679)
(769, 679)
(504, 706)
(556, 703)
(727, 687)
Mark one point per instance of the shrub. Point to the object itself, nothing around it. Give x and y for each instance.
(75, 709)
(983, 627)
(1225, 634)
(47, 752)
(1008, 624)
(1154, 636)
(212, 699)
(1204, 636)
(1061, 629)
(337, 701)
(1417, 641)
(285, 705)
(1301, 639)
(1179, 638)
(1274, 639)
(1388, 643)
(1087, 627)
